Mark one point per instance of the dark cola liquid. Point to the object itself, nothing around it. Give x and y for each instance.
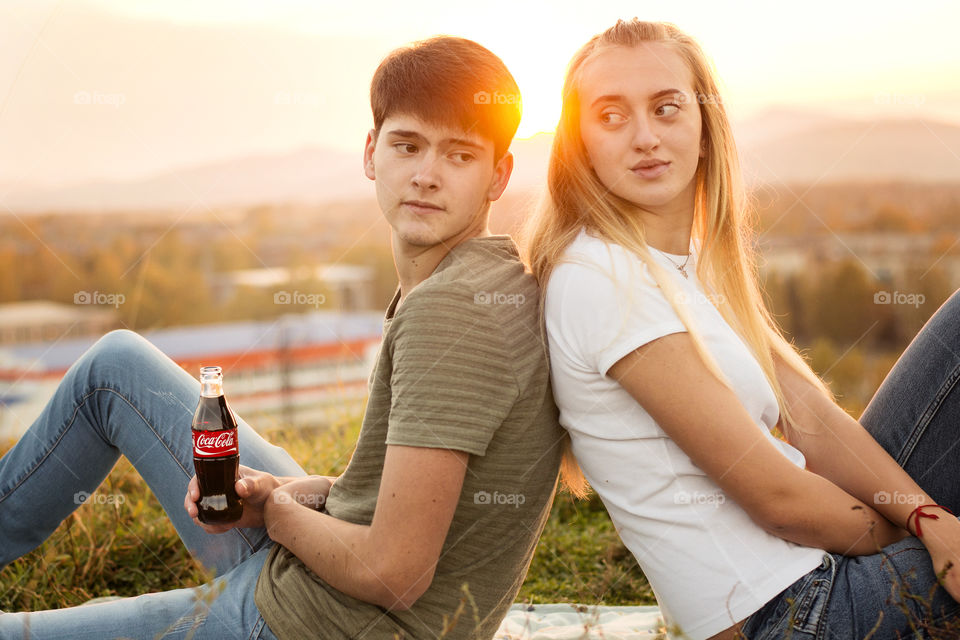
(219, 502)
(217, 476)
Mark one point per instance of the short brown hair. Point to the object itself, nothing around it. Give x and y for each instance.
(449, 81)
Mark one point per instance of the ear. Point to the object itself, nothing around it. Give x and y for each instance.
(501, 176)
(368, 148)
(703, 147)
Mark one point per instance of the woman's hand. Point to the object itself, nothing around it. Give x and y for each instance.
(942, 539)
(253, 487)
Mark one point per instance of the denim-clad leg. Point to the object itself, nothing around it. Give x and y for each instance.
(221, 610)
(123, 396)
(915, 416)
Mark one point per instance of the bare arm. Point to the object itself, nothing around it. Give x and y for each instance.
(391, 562)
(714, 429)
(838, 447)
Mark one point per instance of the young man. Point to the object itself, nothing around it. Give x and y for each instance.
(429, 531)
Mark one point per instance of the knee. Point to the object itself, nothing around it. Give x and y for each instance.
(953, 301)
(949, 312)
(117, 352)
(119, 342)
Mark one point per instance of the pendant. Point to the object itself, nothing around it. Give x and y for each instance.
(682, 272)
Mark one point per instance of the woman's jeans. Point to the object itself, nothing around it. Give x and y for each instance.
(915, 416)
(125, 397)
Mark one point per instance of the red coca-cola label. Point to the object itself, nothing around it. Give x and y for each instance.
(215, 444)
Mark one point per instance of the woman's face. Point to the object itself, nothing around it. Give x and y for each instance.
(640, 122)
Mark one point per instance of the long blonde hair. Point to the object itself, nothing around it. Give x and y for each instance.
(722, 231)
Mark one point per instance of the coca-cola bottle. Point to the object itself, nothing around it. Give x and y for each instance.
(215, 452)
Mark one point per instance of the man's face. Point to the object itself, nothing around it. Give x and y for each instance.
(434, 183)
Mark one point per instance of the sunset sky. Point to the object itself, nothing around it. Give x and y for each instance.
(182, 82)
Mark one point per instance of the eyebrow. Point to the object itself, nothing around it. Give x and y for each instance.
(461, 142)
(620, 98)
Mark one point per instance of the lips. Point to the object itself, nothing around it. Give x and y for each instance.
(650, 168)
(421, 206)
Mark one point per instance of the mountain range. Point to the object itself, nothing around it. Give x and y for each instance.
(779, 145)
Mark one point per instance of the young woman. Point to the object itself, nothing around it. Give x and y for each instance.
(670, 376)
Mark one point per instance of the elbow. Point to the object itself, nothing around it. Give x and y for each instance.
(399, 588)
(775, 523)
(777, 515)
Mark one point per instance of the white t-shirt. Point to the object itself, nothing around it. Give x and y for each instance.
(708, 563)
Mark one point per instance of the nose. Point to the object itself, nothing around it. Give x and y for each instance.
(426, 177)
(645, 138)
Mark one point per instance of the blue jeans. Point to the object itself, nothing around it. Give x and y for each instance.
(125, 397)
(915, 416)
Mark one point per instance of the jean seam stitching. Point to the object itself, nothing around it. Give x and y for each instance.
(257, 627)
(927, 416)
(821, 631)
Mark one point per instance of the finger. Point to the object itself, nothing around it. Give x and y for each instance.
(193, 489)
(246, 487)
(253, 488)
(189, 504)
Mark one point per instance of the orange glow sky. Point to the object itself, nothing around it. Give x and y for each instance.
(196, 80)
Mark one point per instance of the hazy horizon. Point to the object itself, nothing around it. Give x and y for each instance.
(105, 90)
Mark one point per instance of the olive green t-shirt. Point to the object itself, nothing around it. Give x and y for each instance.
(462, 365)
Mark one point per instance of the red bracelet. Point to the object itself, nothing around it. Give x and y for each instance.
(921, 514)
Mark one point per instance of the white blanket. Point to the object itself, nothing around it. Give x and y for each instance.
(580, 622)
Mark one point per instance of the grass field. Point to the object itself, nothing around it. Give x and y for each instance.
(126, 546)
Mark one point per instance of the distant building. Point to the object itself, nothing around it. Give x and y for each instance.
(888, 257)
(42, 320)
(350, 285)
(295, 370)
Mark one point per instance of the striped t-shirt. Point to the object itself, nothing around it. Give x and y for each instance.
(463, 366)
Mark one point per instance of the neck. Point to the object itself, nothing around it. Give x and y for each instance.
(415, 263)
(668, 227)
(669, 238)
(668, 232)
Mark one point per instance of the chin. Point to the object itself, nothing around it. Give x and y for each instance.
(420, 239)
(647, 199)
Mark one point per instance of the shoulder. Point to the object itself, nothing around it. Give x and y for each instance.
(588, 252)
(594, 268)
(482, 276)
(480, 288)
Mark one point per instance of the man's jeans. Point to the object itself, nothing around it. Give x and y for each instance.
(125, 397)
(915, 416)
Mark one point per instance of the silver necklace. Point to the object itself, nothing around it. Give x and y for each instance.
(680, 267)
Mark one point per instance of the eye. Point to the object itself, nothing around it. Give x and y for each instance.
(405, 148)
(675, 108)
(612, 117)
(462, 156)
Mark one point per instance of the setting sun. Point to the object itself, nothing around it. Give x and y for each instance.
(257, 78)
